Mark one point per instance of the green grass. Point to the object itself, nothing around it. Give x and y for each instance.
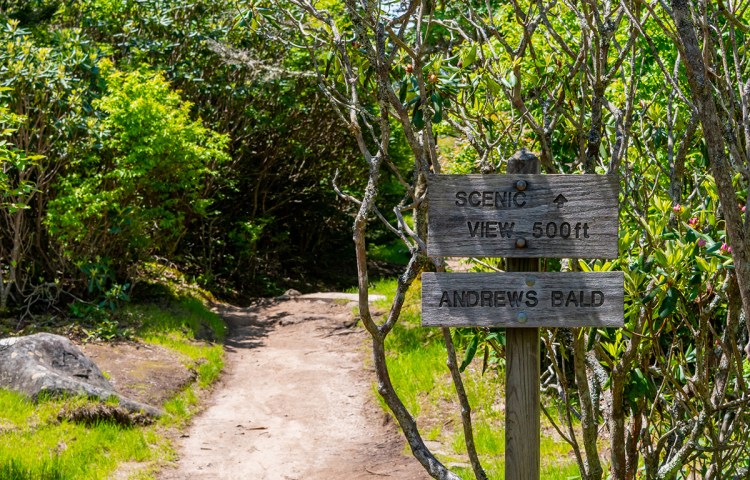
(416, 362)
(35, 445)
(395, 252)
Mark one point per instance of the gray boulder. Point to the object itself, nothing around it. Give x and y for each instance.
(289, 294)
(47, 364)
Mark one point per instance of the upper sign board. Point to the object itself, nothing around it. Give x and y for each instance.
(554, 216)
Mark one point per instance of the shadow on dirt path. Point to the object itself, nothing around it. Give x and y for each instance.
(295, 402)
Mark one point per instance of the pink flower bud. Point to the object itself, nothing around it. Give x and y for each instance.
(725, 248)
(677, 208)
(701, 242)
(693, 221)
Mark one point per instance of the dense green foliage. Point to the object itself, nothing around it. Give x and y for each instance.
(170, 129)
(274, 211)
(133, 196)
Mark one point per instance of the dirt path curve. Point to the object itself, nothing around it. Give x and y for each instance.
(294, 403)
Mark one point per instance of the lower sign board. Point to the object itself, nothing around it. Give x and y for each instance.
(523, 299)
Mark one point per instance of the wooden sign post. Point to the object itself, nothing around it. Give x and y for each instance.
(523, 216)
(522, 364)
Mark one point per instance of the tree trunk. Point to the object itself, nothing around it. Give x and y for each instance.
(721, 169)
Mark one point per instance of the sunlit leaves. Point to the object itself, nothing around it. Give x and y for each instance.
(135, 195)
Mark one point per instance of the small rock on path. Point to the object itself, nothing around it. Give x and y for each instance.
(295, 402)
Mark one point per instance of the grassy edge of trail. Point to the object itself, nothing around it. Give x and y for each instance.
(36, 445)
(417, 365)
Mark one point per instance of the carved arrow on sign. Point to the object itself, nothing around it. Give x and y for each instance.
(560, 200)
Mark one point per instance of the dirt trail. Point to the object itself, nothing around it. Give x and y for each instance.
(294, 403)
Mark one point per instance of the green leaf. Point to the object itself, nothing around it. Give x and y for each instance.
(669, 303)
(329, 60)
(703, 265)
(469, 56)
(493, 87)
(471, 350)
(660, 258)
(486, 358)
(692, 235)
(714, 247)
(417, 119)
(437, 104)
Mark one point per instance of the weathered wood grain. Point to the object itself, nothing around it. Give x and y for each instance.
(522, 414)
(521, 299)
(491, 215)
(522, 370)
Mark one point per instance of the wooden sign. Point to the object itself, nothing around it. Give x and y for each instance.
(521, 215)
(523, 299)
